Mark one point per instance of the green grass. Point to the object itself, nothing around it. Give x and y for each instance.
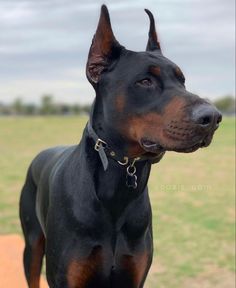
(192, 197)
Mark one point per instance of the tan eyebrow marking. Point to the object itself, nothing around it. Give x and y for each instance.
(178, 72)
(155, 70)
(120, 103)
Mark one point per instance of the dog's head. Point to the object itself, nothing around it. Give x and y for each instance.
(143, 96)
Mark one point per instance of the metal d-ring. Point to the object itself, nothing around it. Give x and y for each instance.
(131, 170)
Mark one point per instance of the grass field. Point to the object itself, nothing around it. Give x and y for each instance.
(192, 197)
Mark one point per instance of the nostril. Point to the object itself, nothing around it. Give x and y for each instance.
(206, 115)
(205, 120)
(219, 119)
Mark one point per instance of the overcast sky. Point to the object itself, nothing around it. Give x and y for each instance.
(44, 43)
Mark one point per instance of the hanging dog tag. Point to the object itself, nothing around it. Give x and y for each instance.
(131, 178)
(131, 181)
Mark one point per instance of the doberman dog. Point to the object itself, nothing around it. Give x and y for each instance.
(86, 207)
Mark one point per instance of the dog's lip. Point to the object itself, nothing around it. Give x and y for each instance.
(188, 149)
(151, 146)
(155, 147)
(191, 148)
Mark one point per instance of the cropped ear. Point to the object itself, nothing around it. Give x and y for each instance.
(153, 43)
(104, 48)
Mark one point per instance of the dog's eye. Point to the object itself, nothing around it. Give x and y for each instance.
(181, 78)
(146, 82)
(180, 75)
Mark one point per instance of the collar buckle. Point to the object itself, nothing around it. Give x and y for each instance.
(99, 143)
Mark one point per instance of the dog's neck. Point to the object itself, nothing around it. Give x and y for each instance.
(110, 185)
(106, 131)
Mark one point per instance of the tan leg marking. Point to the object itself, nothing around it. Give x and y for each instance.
(36, 262)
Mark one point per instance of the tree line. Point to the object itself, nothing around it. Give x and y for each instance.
(48, 106)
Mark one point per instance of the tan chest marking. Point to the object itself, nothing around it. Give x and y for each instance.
(136, 266)
(79, 273)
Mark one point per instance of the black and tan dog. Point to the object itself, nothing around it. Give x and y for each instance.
(86, 207)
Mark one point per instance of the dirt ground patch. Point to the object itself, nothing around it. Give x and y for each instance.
(11, 268)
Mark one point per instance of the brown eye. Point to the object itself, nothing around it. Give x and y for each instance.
(145, 82)
(181, 78)
(180, 75)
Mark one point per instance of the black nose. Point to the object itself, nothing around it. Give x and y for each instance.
(206, 116)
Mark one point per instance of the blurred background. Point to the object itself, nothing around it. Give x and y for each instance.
(45, 99)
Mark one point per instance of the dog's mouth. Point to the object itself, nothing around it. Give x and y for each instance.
(155, 147)
(151, 147)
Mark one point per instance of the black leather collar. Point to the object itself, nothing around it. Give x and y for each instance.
(105, 151)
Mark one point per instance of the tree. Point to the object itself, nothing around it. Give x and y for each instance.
(30, 109)
(226, 104)
(18, 106)
(47, 105)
